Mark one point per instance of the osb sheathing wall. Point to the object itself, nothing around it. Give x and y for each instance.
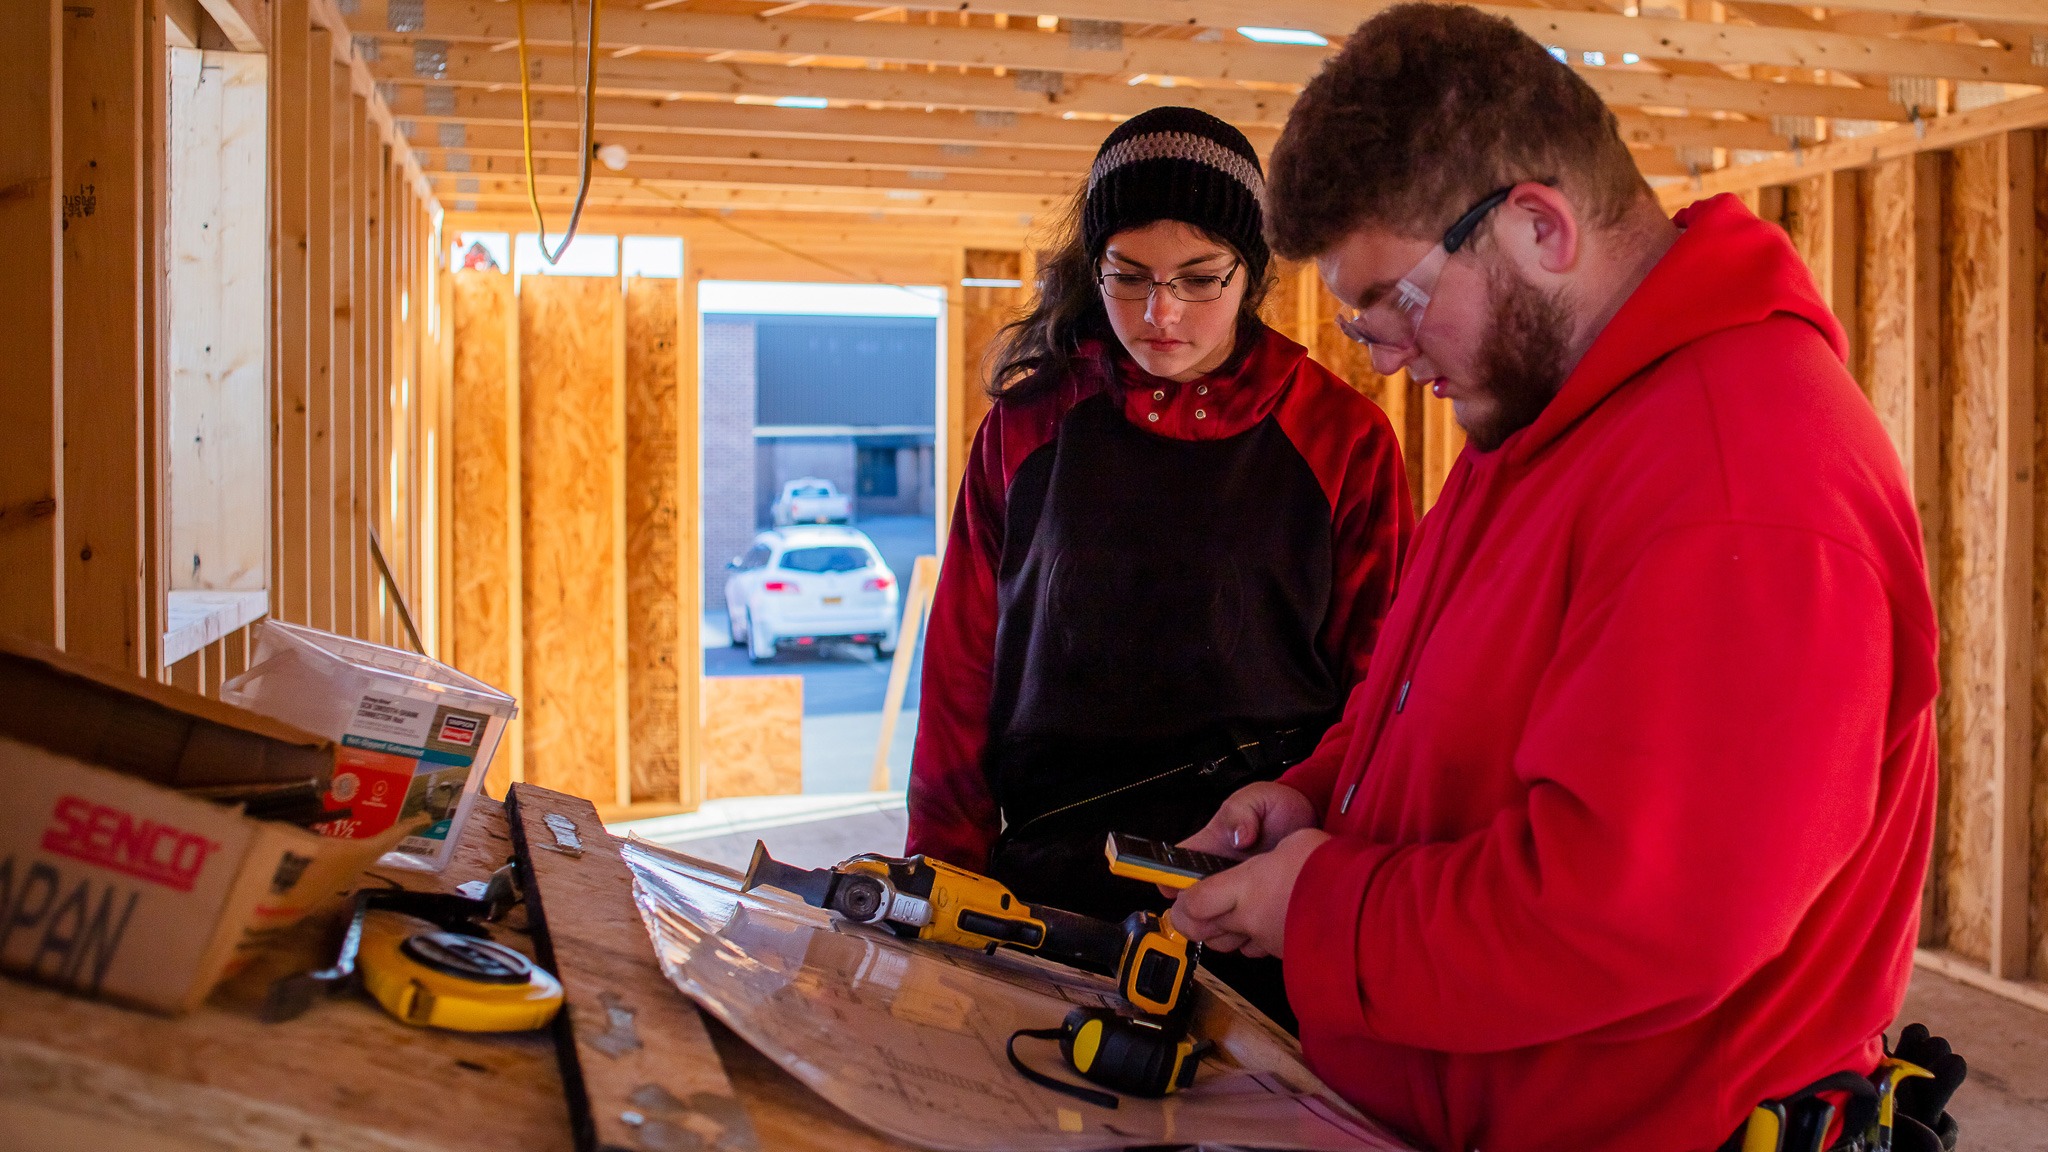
(656, 523)
(570, 445)
(483, 636)
(572, 513)
(1948, 322)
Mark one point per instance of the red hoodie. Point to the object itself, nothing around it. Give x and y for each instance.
(1631, 810)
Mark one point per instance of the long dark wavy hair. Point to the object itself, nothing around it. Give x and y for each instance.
(1034, 353)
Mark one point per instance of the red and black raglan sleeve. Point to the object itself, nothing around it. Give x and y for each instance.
(953, 813)
(1350, 446)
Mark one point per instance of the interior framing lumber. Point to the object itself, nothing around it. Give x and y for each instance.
(689, 537)
(320, 381)
(889, 201)
(759, 122)
(500, 143)
(32, 375)
(105, 265)
(1858, 152)
(555, 70)
(1339, 18)
(1009, 189)
(1052, 93)
(290, 127)
(2015, 662)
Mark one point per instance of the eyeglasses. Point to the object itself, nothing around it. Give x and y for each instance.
(1388, 325)
(1192, 289)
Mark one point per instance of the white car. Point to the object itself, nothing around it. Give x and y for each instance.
(804, 585)
(812, 501)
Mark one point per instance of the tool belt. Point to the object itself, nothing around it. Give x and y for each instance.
(1800, 1121)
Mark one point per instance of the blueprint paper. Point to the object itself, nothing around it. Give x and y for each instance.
(908, 1037)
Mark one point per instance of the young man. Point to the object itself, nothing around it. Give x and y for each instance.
(1623, 832)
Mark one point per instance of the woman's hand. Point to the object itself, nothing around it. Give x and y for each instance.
(1244, 909)
(1255, 819)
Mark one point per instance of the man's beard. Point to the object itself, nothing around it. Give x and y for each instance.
(1521, 362)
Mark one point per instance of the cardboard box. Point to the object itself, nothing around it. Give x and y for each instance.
(114, 884)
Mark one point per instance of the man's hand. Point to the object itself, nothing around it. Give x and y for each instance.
(1256, 818)
(1244, 909)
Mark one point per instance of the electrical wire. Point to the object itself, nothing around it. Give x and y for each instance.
(587, 130)
(952, 299)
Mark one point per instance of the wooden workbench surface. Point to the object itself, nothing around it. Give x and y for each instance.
(75, 1074)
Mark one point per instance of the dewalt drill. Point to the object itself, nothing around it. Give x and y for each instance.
(1153, 965)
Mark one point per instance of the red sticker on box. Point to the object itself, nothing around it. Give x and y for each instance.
(458, 730)
(371, 785)
(132, 845)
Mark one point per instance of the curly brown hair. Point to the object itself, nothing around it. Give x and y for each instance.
(1428, 108)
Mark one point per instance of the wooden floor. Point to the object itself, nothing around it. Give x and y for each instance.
(2003, 1106)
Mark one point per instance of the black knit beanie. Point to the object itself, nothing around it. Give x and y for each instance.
(1178, 164)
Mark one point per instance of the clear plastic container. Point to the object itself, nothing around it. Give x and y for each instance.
(416, 736)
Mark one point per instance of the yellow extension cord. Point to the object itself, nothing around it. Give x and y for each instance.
(588, 130)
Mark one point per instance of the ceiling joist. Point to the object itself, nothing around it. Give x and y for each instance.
(954, 106)
(1034, 93)
(1038, 188)
(1339, 17)
(712, 197)
(675, 148)
(1102, 52)
(1059, 93)
(964, 128)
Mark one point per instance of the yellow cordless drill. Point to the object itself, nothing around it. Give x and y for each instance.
(925, 899)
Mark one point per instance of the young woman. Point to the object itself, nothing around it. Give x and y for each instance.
(1173, 546)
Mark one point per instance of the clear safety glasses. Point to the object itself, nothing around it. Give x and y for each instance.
(1388, 325)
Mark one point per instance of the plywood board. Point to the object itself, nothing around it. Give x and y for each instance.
(219, 416)
(1966, 595)
(753, 735)
(655, 630)
(1806, 222)
(638, 1067)
(481, 501)
(568, 445)
(985, 312)
(1886, 314)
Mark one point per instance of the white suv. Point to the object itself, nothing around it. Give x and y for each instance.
(800, 586)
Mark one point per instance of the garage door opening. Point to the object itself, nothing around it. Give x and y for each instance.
(820, 463)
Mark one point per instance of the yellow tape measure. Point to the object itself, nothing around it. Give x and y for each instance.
(438, 979)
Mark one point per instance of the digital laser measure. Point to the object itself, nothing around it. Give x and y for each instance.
(1157, 862)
